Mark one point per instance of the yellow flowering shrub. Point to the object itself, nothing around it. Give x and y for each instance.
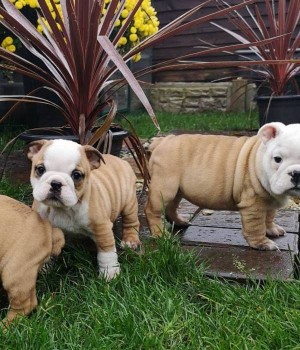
(144, 23)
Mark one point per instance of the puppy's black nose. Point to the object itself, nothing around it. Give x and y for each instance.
(55, 186)
(295, 177)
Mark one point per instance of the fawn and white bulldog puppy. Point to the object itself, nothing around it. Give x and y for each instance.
(26, 242)
(76, 194)
(254, 175)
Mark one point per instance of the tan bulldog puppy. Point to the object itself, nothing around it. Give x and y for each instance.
(254, 175)
(27, 242)
(76, 194)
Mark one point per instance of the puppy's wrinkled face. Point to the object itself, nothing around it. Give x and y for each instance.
(60, 170)
(281, 158)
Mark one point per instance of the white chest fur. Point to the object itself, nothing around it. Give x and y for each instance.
(73, 220)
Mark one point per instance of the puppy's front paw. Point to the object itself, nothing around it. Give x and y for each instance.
(275, 231)
(109, 266)
(109, 273)
(131, 242)
(266, 244)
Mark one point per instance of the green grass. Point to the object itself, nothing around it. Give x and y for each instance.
(18, 191)
(161, 300)
(206, 121)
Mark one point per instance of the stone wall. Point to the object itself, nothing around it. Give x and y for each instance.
(199, 97)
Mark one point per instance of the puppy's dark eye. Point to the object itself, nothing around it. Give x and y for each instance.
(40, 169)
(76, 175)
(277, 159)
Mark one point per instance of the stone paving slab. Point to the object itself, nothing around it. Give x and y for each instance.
(223, 237)
(218, 242)
(239, 263)
(231, 219)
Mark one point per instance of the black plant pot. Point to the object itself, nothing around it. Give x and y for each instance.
(118, 135)
(284, 109)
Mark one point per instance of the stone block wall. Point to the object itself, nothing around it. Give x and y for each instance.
(200, 97)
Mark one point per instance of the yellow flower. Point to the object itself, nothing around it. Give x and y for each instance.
(123, 41)
(11, 48)
(33, 4)
(133, 37)
(124, 13)
(49, 5)
(143, 24)
(8, 40)
(136, 57)
(150, 11)
(137, 23)
(19, 5)
(39, 28)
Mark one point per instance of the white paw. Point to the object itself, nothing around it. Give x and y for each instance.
(109, 273)
(109, 266)
(275, 231)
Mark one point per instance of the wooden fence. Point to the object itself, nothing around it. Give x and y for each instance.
(188, 41)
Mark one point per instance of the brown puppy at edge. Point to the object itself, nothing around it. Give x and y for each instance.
(254, 175)
(27, 242)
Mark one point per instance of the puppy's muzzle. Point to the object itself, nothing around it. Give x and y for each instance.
(295, 177)
(55, 187)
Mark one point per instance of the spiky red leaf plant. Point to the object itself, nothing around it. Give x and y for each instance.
(78, 62)
(276, 61)
(73, 64)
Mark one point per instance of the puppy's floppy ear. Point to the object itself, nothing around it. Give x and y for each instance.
(93, 156)
(34, 147)
(270, 131)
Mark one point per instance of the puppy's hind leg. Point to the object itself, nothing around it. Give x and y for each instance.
(22, 297)
(172, 214)
(160, 197)
(130, 224)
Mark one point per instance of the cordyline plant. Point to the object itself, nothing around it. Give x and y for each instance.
(282, 23)
(78, 61)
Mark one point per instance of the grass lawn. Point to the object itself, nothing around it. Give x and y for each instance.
(206, 121)
(161, 300)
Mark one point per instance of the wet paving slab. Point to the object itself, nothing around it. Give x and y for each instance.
(218, 242)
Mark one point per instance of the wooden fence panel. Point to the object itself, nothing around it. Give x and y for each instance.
(188, 41)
